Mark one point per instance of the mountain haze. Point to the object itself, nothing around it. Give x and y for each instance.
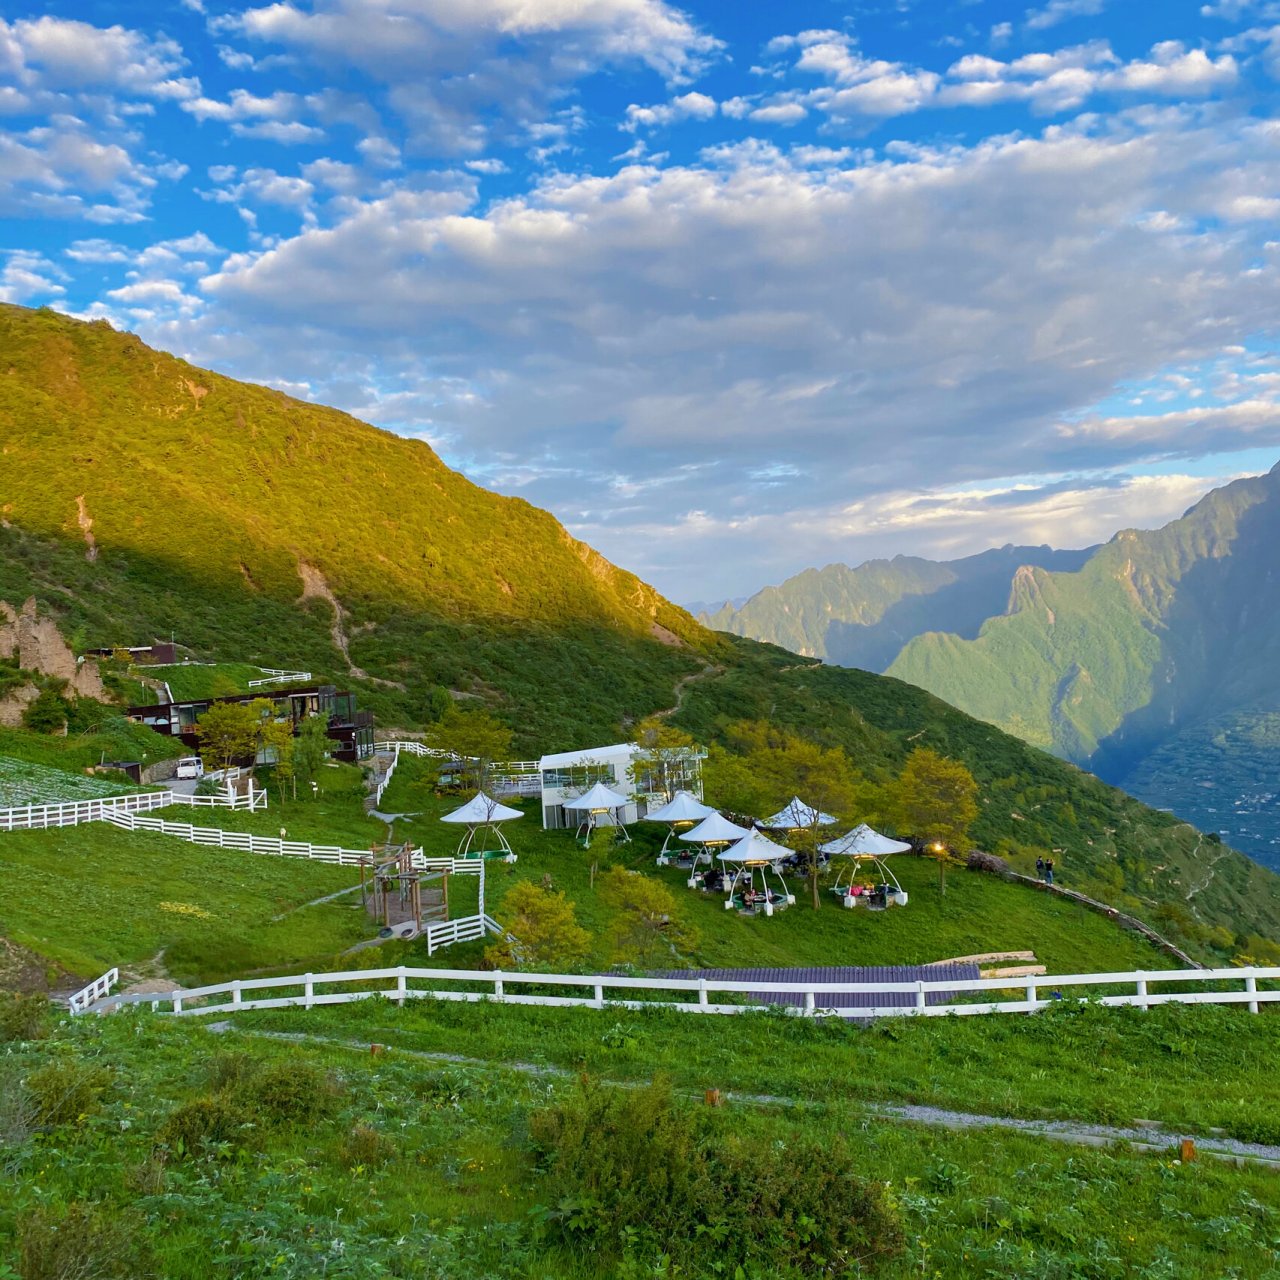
(141, 496)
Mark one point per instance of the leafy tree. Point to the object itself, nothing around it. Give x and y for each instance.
(542, 931)
(228, 731)
(766, 765)
(310, 748)
(936, 800)
(475, 736)
(647, 926)
(659, 765)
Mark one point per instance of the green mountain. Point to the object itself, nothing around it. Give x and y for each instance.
(141, 496)
(862, 616)
(1150, 660)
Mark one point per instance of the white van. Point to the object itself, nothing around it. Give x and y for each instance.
(190, 767)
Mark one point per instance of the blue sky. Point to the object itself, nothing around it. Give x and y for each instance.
(732, 288)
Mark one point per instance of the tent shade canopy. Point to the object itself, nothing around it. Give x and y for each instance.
(863, 842)
(715, 829)
(797, 814)
(754, 847)
(599, 797)
(684, 806)
(482, 810)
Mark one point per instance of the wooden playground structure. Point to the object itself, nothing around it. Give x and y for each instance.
(396, 893)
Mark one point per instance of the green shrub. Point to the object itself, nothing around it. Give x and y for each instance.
(23, 1017)
(288, 1092)
(66, 1092)
(632, 1173)
(82, 1241)
(203, 1124)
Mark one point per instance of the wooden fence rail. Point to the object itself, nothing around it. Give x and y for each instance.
(71, 813)
(95, 991)
(1212, 986)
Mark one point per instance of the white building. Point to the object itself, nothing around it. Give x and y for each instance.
(568, 774)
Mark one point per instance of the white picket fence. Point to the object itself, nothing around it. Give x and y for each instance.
(280, 848)
(811, 998)
(275, 676)
(71, 813)
(96, 990)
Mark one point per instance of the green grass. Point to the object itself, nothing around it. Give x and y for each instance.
(93, 896)
(23, 783)
(206, 680)
(115, 739)
(455, 1194)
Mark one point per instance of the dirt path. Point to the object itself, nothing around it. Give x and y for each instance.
(682, 688)
(1145, 1137)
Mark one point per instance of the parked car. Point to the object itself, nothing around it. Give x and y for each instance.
(190, 767)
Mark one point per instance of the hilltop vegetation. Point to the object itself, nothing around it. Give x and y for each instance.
(260, 529)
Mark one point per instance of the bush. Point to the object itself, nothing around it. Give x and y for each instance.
(209, 1121)
(65, 1092)
(290, 1092)
(631, 1172)
(23, 1017)
(365, 1148)
(978, 860)
(82, 1241)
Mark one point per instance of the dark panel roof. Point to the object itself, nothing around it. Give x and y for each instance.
(842, 973)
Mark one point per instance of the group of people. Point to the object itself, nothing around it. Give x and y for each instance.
(1044, 869)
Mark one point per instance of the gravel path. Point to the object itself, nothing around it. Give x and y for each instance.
(1151, 1137)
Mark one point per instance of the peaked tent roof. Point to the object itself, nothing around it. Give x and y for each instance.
(797, 814)
(481, 809)
(863, 841)
(684, 806)
(755, 848)
(599, 797)
(715, 828)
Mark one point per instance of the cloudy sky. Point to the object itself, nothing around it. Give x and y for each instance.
(733, 286)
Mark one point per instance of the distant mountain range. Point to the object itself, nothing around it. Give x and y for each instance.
(1153, 660)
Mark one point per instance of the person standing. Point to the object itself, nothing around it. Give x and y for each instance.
(1039, 868)
(1048, 871)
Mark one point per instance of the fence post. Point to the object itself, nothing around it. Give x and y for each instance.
(309, 991)
(1142, 1001)
(599, 999)
(702, 992)
(498, 989)
(809, 1004)
(402, 987)
(236, 998)
(177, 1002)
(1032, 996)
(1251, 986)
(920, 1000)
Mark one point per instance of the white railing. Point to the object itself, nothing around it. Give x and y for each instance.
(808, 998)
(274, 676)
(96, 990)
(385, 781)
(276, 847)
(442, 933)
(229, 799)
(71, 813)
(509, 777)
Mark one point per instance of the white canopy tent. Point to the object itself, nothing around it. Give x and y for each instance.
(797, 816)
(600, 801)
(714, 832)
(753, 855)
(483, 813)
(864, 846)
(681, 811)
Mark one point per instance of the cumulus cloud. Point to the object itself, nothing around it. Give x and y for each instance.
(1057, 11)
(688, 106)
(458, 74)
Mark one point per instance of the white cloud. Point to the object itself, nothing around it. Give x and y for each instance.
(1057, 11)
(489, 167)
(30, 277)
(688, 106)
(289, 133)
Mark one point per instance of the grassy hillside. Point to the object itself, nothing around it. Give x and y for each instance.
(260, 529)
(322, 1159)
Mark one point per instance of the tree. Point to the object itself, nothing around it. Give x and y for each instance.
(48, 713)
(310, 748)
(936, 800)
(542, 931)
(764, 766)
(476, 737)
(228, 731)
(647, 926)
(660, 764)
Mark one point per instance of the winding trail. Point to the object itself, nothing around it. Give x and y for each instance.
(1144, 1136)
(682, 688)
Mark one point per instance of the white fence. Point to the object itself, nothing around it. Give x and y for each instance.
(96, 990)
(274, 676)
(810, 998)
(509, 777)
(276, 847)
(72, 813)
